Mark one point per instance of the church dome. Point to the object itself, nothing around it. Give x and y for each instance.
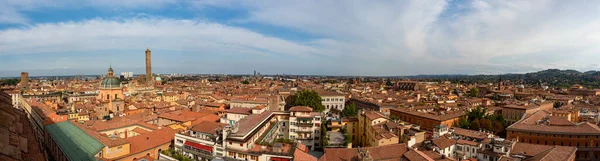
(158, 79)
(110, 82)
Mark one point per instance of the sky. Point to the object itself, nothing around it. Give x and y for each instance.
(306, 37)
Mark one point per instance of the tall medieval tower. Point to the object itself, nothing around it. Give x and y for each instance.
(24, 79)
(148, 67)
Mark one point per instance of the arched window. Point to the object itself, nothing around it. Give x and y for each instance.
(116, 96)
(107, 96)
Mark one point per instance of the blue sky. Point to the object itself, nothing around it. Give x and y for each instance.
(338, 37)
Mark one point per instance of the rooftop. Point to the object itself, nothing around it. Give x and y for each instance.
(74, 142)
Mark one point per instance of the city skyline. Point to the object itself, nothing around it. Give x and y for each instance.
(305, 38)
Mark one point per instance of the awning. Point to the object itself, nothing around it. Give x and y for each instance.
(199, 146)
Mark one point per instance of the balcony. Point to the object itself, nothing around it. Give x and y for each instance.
(304, 138)
(304, 130)
(305, 124)
(196, 151)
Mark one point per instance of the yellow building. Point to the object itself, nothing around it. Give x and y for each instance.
(374, 129)
(350, 124)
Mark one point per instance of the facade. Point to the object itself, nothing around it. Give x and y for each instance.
(513, 113)
(332, 101)
(376, 130)
(406, 85)
(305, 126)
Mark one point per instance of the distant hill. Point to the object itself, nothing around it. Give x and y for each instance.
(550, 77)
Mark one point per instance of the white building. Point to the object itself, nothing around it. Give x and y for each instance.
(16, 98)
(127, 74)
(202, 142)
(305, 126)
(332, 100)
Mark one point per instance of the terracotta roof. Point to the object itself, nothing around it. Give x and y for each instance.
(208, 127)
(150, 140)
(183, 116)
(415, 155)
(372, 115)
(466, 142)
(240, 110)
(439, 117)
(385, 152)
(443, 142)
(469, 133)
(530, 124)
(300, 109)
(543, 152)
(301, 153)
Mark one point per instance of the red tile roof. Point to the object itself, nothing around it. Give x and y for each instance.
(300, 109)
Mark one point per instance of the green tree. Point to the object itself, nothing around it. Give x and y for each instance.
(394, 117)
(486, 124)
(463, 123)
(347, 139)
(309, 98)
(498, 127)
(474, 92)
(389, 83)
(245, 82)
(475, 125)
(350, 110)
(476, 113)
(10, 82)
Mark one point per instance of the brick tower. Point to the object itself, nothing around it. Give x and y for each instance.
(24, 79)
(148, 67)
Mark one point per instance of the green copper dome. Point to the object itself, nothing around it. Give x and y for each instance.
(110, 82)
(158, 79)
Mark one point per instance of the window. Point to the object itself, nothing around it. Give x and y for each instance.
(231, 154)
(293, 130)
(230, 143)
(252, 157)
(242, 145)
(179, 141)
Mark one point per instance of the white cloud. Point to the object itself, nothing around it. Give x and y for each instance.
(374, 37)
(127, 34)
(443, 39)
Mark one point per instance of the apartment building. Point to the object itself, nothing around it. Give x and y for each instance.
(204, 141)
(305, 126)
(376, 130)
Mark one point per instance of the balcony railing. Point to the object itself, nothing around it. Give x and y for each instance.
(197, 152)
(305, 124)
(304, 130)
(304, 138)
